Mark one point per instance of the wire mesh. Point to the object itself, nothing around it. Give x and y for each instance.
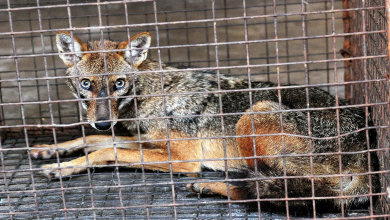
(370, 69)
(286, 42)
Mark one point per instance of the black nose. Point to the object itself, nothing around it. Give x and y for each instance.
(103, 125)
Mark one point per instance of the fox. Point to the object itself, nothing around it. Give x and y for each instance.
(273, 141)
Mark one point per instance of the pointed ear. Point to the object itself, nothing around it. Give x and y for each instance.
(65, 44)
(138, 50)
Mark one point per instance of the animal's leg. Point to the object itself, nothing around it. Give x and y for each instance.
(216, 188)
(132, 158)
(96, 142)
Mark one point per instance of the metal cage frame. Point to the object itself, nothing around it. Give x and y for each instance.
(256, 40)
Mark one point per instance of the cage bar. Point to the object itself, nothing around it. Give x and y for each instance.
(338, 46)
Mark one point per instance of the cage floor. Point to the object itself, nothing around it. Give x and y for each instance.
(109, 193)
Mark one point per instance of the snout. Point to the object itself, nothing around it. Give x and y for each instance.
(101, 111)
(103, 126)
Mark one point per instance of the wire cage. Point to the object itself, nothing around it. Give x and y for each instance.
(369, 71)
(337, 46)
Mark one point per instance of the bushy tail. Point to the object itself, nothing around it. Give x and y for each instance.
(267, 182)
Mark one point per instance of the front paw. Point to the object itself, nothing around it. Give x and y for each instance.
(50, 171)
(45, 152)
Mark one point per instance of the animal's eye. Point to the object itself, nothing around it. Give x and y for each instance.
(120, 84)
(85, 84)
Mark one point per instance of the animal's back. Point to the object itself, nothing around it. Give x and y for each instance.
(201, 96)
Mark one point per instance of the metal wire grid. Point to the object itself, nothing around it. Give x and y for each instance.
(371, 69)
(130, 193)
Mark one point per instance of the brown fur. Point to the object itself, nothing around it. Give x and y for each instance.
(275, 146)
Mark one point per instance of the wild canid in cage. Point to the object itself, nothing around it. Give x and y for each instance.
(283, 142)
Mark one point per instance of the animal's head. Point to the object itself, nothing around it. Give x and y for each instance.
(102, 92)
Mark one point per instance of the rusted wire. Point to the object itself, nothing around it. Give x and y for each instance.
(34, 108)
